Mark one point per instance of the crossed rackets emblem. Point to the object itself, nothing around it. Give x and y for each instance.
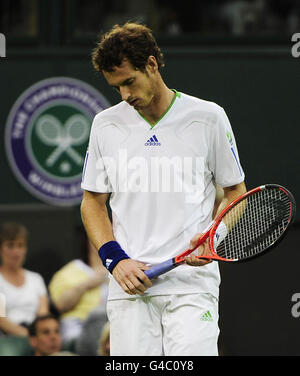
(63, 136)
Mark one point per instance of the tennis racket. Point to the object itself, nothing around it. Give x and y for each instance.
(248, 227)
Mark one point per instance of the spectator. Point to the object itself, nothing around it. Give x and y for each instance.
(104, 344)
(87, 343)
(44, 335)
(24, 290)
(244, 16)
(77, 289)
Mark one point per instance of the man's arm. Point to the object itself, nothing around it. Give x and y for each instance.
(229, 195)
(95, 218)
(218, 199)
(128, 273)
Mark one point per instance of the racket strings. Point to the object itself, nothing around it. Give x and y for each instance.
(254, 224)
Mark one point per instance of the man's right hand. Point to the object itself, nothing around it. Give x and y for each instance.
(131, 277)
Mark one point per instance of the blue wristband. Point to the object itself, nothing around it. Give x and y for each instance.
(111, 253)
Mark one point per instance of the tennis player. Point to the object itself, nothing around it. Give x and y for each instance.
(160, 154)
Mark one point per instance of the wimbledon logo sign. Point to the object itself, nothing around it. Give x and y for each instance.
(47, 134)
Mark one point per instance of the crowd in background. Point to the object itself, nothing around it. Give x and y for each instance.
(207, 17)
(230, 17)
(66, 317)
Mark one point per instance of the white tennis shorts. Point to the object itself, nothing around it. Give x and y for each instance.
(164, 325)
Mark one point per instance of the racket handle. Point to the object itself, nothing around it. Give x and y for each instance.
(161, 268)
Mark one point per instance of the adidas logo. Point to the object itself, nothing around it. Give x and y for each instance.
(153, 141)
(108, 262)
(206, 316)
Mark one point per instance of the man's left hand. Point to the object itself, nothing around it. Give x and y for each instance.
(203, 250)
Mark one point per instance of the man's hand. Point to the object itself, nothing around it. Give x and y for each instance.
(203, 250)
(131, 277)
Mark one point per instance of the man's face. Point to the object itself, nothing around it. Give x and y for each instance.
(47, 340)
(136, 87)
(13, 252)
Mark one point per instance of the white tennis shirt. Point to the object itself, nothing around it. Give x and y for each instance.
(22, 303)
(161, 180)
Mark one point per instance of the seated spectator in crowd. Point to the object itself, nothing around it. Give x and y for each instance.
(87, 344)
(44, 335)
(77, 289)
(104, 344)
(24, 290)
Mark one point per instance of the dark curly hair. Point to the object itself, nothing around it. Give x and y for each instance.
(132, 41)
(32, 328)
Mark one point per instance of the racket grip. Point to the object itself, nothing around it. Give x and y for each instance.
(161, 268)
